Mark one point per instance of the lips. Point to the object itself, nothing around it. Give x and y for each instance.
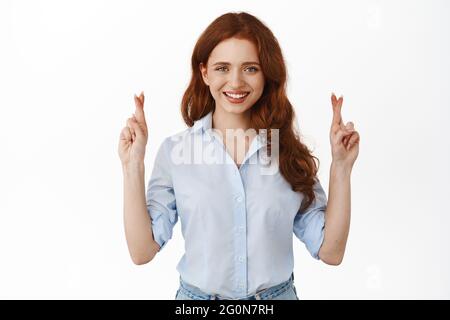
(236, 94)
(236, 97)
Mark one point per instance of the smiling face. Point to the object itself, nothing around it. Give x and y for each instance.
(234, 75)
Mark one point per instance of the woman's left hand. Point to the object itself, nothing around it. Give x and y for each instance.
(344, 139)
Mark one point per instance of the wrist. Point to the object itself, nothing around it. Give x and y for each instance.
(341, 167)
(132, 167)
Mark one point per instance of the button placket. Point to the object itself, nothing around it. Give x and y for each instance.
(240, 241)
(240, 229)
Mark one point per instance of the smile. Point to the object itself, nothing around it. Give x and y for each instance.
(236, 97)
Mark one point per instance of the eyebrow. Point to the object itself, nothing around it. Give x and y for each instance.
(227, 63)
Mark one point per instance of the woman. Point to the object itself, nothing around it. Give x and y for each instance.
(237, 217)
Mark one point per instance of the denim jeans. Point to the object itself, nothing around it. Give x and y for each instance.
(283, 291)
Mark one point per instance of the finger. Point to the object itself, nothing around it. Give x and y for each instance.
(354, 139)
(140, 116)
(337, 118)
(141, 126)
(346, 139)
(139, 113)
(350, 126)
(141, 97)
(137, 129)
(333, 99)
(339, 107)
(138, 101)
(125, 134)
(341, 134)
(130, 126)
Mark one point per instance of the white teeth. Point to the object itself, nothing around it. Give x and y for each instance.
(236, 96)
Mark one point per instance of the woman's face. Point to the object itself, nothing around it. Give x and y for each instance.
(234, 75)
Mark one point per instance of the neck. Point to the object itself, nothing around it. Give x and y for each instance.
(223, 120)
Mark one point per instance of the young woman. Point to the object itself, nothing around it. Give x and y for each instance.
(237, 217)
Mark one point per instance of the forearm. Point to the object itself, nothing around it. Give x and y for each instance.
(337, 216)
(138, 230)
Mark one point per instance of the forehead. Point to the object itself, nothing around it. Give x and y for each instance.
(234, 50)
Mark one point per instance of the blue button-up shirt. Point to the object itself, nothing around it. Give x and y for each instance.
(237, 222)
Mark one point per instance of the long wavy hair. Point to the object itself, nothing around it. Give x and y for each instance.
(272, 110)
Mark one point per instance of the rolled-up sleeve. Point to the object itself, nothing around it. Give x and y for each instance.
(309, 224)
(161, 204)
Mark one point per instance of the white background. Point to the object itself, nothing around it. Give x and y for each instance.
(68, 72)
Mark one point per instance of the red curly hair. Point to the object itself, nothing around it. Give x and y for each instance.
(273, 109)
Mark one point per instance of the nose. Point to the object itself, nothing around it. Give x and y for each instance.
(236, 80)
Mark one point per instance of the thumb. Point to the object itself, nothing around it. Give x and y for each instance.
(341, 134)
(136, 127)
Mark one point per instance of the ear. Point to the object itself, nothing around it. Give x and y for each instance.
(204, 73)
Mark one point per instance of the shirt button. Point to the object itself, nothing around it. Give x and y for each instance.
(265, 159)
(241, 286)
(241, 259)
(240, 229)
(239, 199)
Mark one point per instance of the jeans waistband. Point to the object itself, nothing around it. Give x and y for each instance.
(260, 295)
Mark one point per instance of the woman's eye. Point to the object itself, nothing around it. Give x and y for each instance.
(252, 69)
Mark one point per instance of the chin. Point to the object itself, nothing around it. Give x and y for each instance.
(236, 109)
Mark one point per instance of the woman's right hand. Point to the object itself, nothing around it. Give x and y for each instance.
(133, 138)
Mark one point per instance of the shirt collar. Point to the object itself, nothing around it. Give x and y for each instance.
(204, 123)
